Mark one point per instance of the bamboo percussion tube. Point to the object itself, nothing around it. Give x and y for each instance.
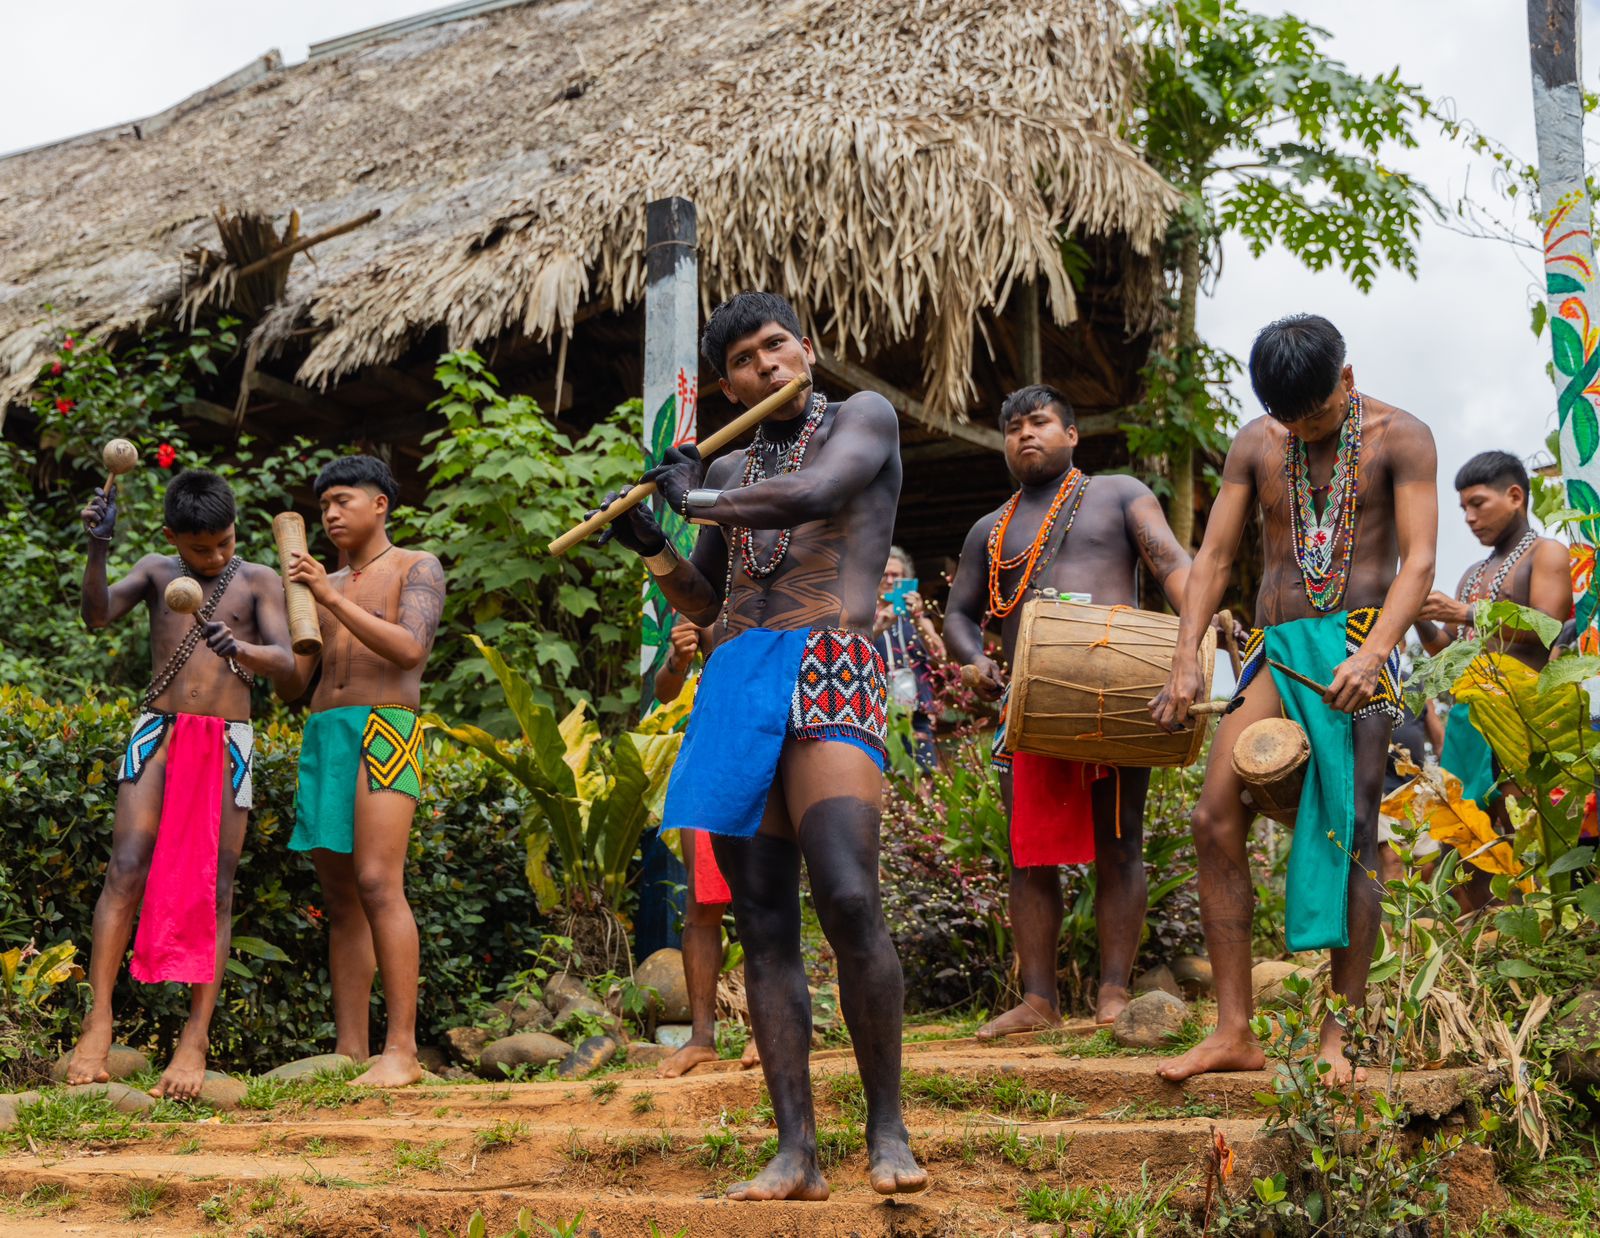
(185, 596)
(120, 456)
(714, 442)
(305, 633)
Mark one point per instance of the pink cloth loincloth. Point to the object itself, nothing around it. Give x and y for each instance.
(710, 886)
(177, 937)
(1052, 810)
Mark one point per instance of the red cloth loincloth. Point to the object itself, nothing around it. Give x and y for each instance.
(1052, 811)
(710, 887)
(177, 937)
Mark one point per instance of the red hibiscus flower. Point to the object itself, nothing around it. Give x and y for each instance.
(67, 343)
(55, 368)
(64, 407)
(165, 455)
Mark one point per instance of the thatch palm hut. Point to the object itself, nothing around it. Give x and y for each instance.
(918, 177)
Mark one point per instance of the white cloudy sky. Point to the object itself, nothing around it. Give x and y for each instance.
(1453, 347)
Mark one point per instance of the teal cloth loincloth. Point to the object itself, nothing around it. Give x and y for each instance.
(1467, 755)
(339, 745)
(1319, 865)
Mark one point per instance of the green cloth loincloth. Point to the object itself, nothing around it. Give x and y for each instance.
(337, 744)
(1319, 866)
(1467, 755)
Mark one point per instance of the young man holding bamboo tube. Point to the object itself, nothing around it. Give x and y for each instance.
(183, 783)
(785, 749)
(361, 757)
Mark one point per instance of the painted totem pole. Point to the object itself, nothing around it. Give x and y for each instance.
(671, 387)
(1573, 296)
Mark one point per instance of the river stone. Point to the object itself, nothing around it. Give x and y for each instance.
(559, 990)
(663, 972)
(586, 1005)
(1266, 980)
(534, 1049)
(121, 1062)
(309, 1067)
(466, 1044)
(1158, 979)
(123, 1098)
(1578, 1031)
(588, 1057)
(643, 1053)
(9, 1105)
(1193, 974)
(1148, 1020)
(674, 1035)
(525, 1013)
(432, 1059)
(222, 1091)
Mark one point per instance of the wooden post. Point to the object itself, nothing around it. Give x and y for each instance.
(1572, 296)
(1030, 356)
(671, 386)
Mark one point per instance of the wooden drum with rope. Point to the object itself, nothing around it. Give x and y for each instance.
(1270, 758)
(1082, 681)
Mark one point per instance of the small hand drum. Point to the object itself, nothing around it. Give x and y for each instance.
(1270, 758)
(185, 596)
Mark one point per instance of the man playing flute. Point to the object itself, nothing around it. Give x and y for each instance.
(785, 749)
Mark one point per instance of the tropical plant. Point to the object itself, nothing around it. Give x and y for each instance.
(503, 481)
(1267, 136)
(29, 979)
(589, 802)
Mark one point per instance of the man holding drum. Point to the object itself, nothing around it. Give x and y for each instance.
(785, 748)
(361, 755)
(1061, 533)
(1349, 516)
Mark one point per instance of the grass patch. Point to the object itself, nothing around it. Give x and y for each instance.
(1008, 1095)
(143, 1199)
(500, 1135)
(643, 1102)
(835, 1143)
(1044, 1204)
(1152, 1111)
(318, 1146)
(328, 1089)
(48, 1197)
(1146, 1210)
(425, 1159)
(603, 1091)
(59, 1117)
(188, 1147)
(722, 1150)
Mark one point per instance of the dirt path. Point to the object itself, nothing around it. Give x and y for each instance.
(991, 1122)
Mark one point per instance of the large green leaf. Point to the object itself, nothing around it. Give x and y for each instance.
(540, 879)
(1585, 430)
(616, 836)
(1557, 284)
(1567, 345)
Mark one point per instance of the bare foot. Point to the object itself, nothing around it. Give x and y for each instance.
(685, 1060)
(1332, 1052)
(751, 1057)
(1032, 1014)
(390, 1069)
(1110, 1002)
(892, 1169)
(186, 1073)
(88, 1064)
(789, 1175)
(1218, 1051)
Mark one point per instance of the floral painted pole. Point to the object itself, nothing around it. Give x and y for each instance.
(1572, 297)
(671, 387)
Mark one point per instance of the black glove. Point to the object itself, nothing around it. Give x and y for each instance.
(220, 639)
(635, 529)
(680, 471)
(100, 517)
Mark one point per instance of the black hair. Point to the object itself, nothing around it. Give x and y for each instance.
(198, 501)
(1026, 399)
(1295, 365)
(739, 316)
(358, 471)
(1498, 469)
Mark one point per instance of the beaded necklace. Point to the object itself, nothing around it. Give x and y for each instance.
(1469, 590)
(790, 458)
(191, 638)
(1323, 543)
(1001, 606)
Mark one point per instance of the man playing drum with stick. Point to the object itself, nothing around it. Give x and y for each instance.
(1349, 514)
(184, 786)
(1060, 532)
(361, 756)
(785, 749)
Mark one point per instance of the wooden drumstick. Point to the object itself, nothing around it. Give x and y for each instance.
(712, 443)
(1303, 680)
(185, 596)
(120, 456)
(305, 632)
(1230, 644)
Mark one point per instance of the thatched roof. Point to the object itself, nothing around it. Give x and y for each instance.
(894, 165)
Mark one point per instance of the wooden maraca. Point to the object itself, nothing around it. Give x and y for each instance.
(185, 596)
(120, 457)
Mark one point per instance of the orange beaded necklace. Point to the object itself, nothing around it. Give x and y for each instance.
(1001, 606)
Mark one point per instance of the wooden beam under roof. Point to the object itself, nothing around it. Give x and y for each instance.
(907, 405)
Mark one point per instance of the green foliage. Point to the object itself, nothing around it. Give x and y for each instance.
(1187, 400)
(589, 799)
(1270, 137)
(474, 912)
(503, 481)
(29, 1019)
